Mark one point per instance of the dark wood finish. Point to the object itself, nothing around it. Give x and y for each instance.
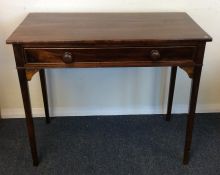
(71, 56)
(44, 92)
(29, 120)
(171, 92)
(110, 64)
(19, 58)
(107, 28)
(192, 104)
(191, 114)
(68, 40)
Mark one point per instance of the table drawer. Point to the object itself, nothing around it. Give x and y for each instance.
(134, 54)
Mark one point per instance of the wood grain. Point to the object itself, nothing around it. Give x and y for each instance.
(106, 28)
(41, 56)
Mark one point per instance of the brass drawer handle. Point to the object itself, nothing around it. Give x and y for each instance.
(155, 55)
(67, 57)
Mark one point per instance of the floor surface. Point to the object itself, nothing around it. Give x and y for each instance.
(111, 145)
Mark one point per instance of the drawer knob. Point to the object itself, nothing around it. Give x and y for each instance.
(67, 57)
(155, 55)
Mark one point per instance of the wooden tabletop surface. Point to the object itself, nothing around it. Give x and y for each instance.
(106, 27)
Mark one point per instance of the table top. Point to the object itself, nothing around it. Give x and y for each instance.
(107, 28)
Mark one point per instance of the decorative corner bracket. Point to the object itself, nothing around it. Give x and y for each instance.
(30, 73)
(189, 70)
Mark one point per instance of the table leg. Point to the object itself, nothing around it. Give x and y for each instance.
(44, 92)
(27, 107)
(171, 92)
(191, 113)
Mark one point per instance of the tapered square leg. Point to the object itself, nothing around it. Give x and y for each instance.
(29, 120)
(191, 113)
(171, 92)
(44, 92)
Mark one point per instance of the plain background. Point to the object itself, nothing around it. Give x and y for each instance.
(109, 91)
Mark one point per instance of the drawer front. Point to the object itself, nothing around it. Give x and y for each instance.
(70, 56)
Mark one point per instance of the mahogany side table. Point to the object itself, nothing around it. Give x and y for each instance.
(70, 40)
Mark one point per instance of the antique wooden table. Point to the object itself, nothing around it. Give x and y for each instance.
(70, 40)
